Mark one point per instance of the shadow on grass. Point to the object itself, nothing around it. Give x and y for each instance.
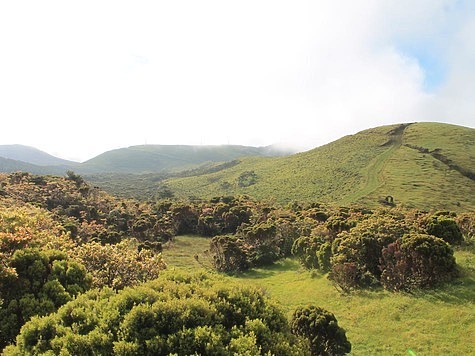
(280, 266)
(459, 291)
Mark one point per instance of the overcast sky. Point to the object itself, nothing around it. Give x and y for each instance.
(79, 78)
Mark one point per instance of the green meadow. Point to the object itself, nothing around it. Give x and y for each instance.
(377, 322)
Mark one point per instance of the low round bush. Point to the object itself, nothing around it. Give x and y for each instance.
(417, 261)
(184, 314)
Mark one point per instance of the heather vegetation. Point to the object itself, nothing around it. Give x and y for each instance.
(82, 271)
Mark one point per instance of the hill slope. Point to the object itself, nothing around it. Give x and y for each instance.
(10, 165)
(422, 165)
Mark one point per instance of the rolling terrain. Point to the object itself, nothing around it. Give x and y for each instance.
(143, 159)
(419, 165)
(170, 158)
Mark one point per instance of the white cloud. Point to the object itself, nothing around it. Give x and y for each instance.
(78, 79)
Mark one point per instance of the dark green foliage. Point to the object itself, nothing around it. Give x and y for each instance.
(247, 179)
(324, 254)
(417, 261)
(321, 329)
(306, 249)
(235, 217)
(338, 223)
(185, 219)
(363, 244)
(228, 254)
(261, 243)
(43, 281)
(208, 226)
(176, 314)
(446, 228)
(253, 245)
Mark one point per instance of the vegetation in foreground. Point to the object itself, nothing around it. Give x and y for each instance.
(60, 237)
(437, 321)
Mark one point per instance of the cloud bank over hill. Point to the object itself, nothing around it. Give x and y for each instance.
(79, 79)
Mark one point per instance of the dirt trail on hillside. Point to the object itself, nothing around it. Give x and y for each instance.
(374, 179)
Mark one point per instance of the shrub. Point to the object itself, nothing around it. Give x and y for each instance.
(41, 282)
(346, 276)
(446, 228)
(417, 261)
(120, 265)
(306, 249)
(466, 223)
(363, 245)
(228, 254)
(262, 243)
(321, 329)
(183, 314)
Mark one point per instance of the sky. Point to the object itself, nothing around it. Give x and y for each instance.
(78, 78)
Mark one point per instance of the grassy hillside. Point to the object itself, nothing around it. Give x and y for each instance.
(166, 158)
(421, 165)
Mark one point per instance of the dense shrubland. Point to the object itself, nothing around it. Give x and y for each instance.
(60, 237)
(181, 314)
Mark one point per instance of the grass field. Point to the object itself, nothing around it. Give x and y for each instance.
(439, 322)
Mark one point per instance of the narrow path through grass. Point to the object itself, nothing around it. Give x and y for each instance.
(373, 177)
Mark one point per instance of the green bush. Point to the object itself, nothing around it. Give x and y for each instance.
(417, 261)
(446, 228)
(228, 254)
(42, 282)
(363, 245)
(181, 314)
(321, 329)
(306, 249)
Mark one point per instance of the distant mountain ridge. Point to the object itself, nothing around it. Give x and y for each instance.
(135, 159)
(166, 158)
(32, 155)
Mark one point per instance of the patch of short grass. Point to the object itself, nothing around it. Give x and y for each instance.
(438, 322)
(181, 252)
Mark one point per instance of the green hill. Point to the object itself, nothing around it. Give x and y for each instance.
(143, 159)
(168, 158)
(421, 165)
(8, 165)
